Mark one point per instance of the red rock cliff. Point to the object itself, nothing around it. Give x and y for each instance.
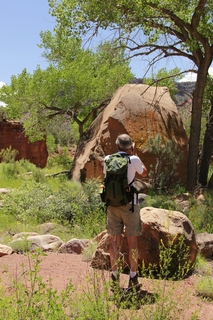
(12, 134)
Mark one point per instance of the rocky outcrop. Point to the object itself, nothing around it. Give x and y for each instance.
(12, 134)
(5, 250)
(46, 242)
(74, 246)
(160, 227)
(205, 244)
(140, 111)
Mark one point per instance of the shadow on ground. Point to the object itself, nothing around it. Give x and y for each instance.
(133, 299)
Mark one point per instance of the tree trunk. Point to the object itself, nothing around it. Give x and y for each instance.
(207, 150)
(194, 139)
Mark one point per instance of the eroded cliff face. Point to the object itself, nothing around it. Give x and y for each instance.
(140, 111)
(12, 134)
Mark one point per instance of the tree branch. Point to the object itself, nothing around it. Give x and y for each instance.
(197, 14)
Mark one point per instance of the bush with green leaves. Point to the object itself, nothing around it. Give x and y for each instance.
(160, 201)
(72, 203)
(20, 245)
(62, 159)
(51, 145)
(8, 155)
(164, 174)
(30, 203)
(173, 261)
(80, 205)
(14, 169)
(200, 213)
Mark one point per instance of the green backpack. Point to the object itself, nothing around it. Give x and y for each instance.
(116, 191)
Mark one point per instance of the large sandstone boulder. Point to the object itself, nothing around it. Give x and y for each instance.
(159, 227)
(140, 111)
(46, 242)
(12, 134)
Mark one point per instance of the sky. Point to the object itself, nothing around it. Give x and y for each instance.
(21, 22)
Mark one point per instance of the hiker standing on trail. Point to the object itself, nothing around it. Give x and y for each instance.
(125, 215)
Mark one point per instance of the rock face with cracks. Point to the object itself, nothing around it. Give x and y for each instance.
(140, 111)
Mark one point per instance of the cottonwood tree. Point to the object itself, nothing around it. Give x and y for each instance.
(77, 84)
(159, 29)
(207, 149)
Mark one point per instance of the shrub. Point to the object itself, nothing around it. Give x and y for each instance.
(73, 203)
(164, 174)
(8, 155)
(51, 145)
(160, 201)
(20, 246)
(200, 214)
(63, 160)
(30, 203)
(14, 169)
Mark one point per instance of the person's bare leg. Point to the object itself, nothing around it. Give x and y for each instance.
(133, 252)
(114, 247)
(133, 261)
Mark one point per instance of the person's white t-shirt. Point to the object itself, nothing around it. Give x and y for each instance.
(134, 166)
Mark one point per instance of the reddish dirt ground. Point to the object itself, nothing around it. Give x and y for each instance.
(61, 268)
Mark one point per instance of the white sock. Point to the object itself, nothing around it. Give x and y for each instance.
(115, 273)
(132, 274)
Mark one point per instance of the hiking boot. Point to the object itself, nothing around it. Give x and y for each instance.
(114, 283)
(134, 284)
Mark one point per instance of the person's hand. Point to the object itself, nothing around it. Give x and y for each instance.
(144, 173)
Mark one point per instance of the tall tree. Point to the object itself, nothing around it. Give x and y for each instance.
(161, 29)
(76, 84)
(207, 149)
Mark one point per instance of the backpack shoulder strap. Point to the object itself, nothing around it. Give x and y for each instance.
(125, 155)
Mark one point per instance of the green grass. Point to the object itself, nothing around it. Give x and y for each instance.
(204, 288)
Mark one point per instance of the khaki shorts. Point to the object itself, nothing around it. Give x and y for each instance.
(118, 217)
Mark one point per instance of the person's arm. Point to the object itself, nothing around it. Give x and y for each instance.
(139, 166)
(144, 173)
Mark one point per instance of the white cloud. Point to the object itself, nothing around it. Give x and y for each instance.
(2, 84)
(211, 71)
(191, 76)
(2, 104)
